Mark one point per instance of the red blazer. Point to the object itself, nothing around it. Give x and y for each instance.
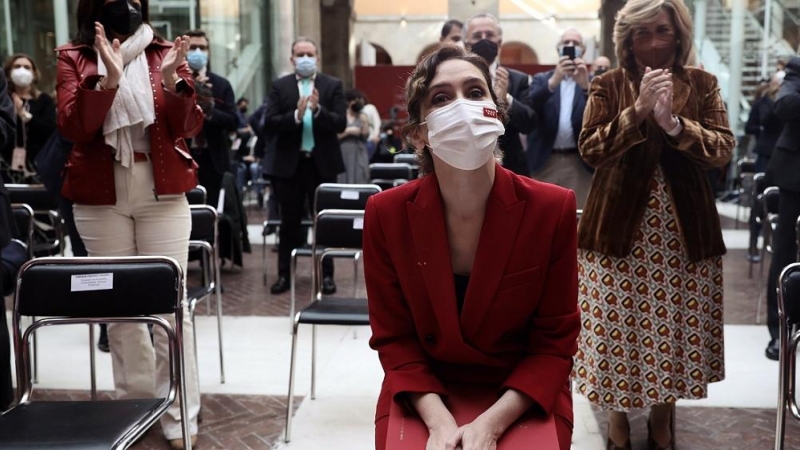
(520, 320)
(89, 172)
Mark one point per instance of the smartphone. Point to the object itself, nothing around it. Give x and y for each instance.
(569, 51)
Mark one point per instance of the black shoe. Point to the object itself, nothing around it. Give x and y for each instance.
(280, 286)
(328, 286)
(773, 351)
(102, 341)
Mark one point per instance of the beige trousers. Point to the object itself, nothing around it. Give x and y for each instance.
(567, 171)
(138, 225)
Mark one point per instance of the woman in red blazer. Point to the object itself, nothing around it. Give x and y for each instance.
(126, 99)
(470, 270)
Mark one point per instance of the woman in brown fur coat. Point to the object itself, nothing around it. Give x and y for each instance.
(650, 243)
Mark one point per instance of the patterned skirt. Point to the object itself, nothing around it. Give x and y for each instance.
(652, 325)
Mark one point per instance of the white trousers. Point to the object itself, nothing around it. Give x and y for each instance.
(140, 225)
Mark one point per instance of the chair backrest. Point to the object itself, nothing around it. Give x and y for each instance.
(23, 217)
(789, 294)
(99, 287)
(406, 158)
(197, 196)
(759, 183)
(34, 195)
(339, 228)
(204, 224)
(746, 166)
(390, 171)
(343, 196)
(770, 199)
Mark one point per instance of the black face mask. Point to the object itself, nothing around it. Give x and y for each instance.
(122, 17)
(600, 71)
(486, 49)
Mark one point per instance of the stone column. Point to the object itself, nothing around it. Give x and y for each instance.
(608, 11)
(464, 9)
(338, 52)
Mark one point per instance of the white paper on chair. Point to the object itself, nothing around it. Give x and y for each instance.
(358, 224)
(92, 282)
(349, 195)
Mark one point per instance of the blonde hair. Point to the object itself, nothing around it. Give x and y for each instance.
(638, 12)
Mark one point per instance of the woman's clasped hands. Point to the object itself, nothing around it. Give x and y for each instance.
(655, 96)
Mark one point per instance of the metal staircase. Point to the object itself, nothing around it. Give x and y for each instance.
(718, 28)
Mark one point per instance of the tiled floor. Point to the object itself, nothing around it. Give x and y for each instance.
(248, 411)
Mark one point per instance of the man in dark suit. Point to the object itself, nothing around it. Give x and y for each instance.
(306, 111)
(484, 36)
(7, 226)
(559, 97)
(784, 171)
(211, 148)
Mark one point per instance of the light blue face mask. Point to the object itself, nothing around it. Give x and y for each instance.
(306, 65)
(197, 59)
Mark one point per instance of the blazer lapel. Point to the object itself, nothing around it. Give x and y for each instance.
(681, 90)
(429, 233)
(497, 238)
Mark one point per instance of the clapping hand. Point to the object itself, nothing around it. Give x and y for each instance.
(654, 85)
(174, 58)
(111, 56)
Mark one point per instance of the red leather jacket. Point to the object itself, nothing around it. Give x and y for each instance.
(89, 172)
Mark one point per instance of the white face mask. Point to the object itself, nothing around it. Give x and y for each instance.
(21, 77)
(464, 133)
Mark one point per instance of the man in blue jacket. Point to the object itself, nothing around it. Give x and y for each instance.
(559, 97)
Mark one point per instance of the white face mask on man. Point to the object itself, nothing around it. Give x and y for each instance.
(464, 133)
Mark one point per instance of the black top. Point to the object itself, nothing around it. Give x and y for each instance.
(765, 125)
(785, 158)
(461, 282)
(34, 134)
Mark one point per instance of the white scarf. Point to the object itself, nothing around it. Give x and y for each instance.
(134, 106)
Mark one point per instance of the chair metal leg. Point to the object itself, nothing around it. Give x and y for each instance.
(192, 310)
(264, 257)
(736, 222)
(313, 362)
(292, 295)
(356, 260)
(92, 363)
(218, 292)
(35, 363)
(290, 399)
(760, 291)
(783, 386)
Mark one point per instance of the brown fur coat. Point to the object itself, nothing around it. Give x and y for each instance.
(626, 156)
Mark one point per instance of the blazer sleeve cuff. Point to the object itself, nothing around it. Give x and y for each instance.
(540, 377)
(416, 379)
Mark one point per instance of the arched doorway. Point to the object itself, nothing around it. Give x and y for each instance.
(517, 53)
(382, 57)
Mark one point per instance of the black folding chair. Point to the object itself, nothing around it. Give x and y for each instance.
(411, 160)
(68, 291)
(332, 196)
(338, 232)
(204, 239)
(197, 196)
(789, 337)
(747, 169)
(23, 217)
(389, 175)
(46, 217)
(769, 201)
(759, 186)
